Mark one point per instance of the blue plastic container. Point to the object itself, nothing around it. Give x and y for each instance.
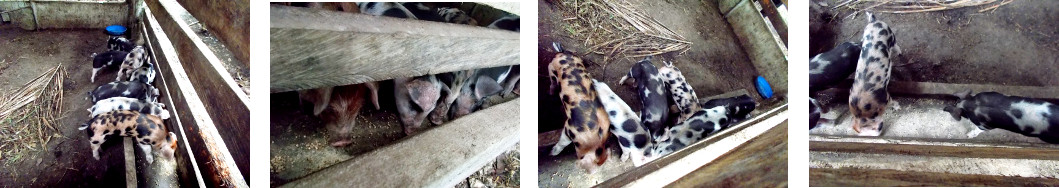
(116, 30)
(763, 87)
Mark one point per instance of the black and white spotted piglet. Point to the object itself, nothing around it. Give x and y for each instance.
(654, 97)
(130, 104)
(145, 73)
(683, 95)
(834, 66)
(869, 97)
(390, 9)
(106, 59)
(136, 59)
(624, 124)
(136, 90)
(715, 115)
(119, 43)
(510, 23)
(990, 110)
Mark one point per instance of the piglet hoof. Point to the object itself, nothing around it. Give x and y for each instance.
(341, 143)
(974, 132)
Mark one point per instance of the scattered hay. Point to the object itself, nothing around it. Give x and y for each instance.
(916, 6)
(613, 28)
(28, 115)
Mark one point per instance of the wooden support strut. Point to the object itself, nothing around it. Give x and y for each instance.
(208, 151)
(312, 48)
(440, 157)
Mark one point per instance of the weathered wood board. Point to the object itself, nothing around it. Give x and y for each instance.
(226, 104)
(439, 157)
(312, 48)
(760, 162)
(230, 20)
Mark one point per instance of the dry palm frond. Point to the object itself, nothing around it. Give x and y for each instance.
(28, 115)
(613, 28)
(914, 6)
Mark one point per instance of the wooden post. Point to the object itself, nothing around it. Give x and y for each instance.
(440, 157)
(193, 122)
(229, 20)
(130, 162)
(316, 48)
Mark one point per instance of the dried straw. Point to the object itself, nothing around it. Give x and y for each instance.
(915, 6)
(613, 28)
(28, 115)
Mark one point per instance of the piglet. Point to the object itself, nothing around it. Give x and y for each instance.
(136, 90)
(653, 95)
(338, 107)
(104, 60)
(814, 113)
(485, 84)
(390, 9)
(416, 98)
(832, 67)
(990, 110)
(714, 116)
(625, 125)
(146, 129)
(510, 23)
(136, 59)
(587, 125)
(128, 104)
(869, 97)
(145, 73)
(684, 97)
(119, 43)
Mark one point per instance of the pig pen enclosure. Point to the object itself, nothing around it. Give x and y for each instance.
(948, 47)
(202, 78)
(322, 45)
(728, 44)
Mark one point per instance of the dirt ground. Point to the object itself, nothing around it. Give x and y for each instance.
(299, 140)
(715, 64)
(67, 159)
(1008, 46)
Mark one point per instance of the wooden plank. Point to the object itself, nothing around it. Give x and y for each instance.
(765, 51)
(760, 162)
(225, 103)
(187, 169)
(770, 12)
(849, 177)
(229, 20)
(130, 162)
(936, 147)
(938, 164)
(316, 48)
(548, 138)
(209, 157)
(440, 157)
(667, 169)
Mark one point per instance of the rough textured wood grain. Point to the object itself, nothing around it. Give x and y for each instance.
(951, 149)
(768, 9)
(549, 138)
(229, 19)
(849, 177)
(226, 104)
(735, 133)
(440, 157)
(315, 48)
(130, 162)
(760, 162)
(190, 120)
(947, 89)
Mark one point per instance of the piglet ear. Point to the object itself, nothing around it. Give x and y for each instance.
(425, 97)
(954, 111)
(486, 86)
(964, 94)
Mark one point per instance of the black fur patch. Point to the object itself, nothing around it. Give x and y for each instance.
(624, 142)
(1017, 113)
(639, 140)
(629, 126)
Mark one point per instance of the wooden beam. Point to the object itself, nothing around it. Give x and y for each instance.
(317, 48)
(765, 51)
(937, 164)
(229, 20)
(849, 177)
(761, 162)
(669, 168)
(225, 103)
(770, 12)
(130, 162)
(194, 124)
(440, 157)
(947, 89)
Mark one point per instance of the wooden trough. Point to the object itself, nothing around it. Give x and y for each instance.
(904, 161)
(313, 48)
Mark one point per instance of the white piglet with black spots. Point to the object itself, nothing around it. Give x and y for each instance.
(869, 97)
(624, 124)
(684, 96)
(130, 104)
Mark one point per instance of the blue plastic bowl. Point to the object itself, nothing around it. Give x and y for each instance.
(763, 87)
(115, 30)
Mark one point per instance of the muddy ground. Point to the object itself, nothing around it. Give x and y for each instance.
(1008, 46)
(715, 64)
(299, 140)
(67, 159)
